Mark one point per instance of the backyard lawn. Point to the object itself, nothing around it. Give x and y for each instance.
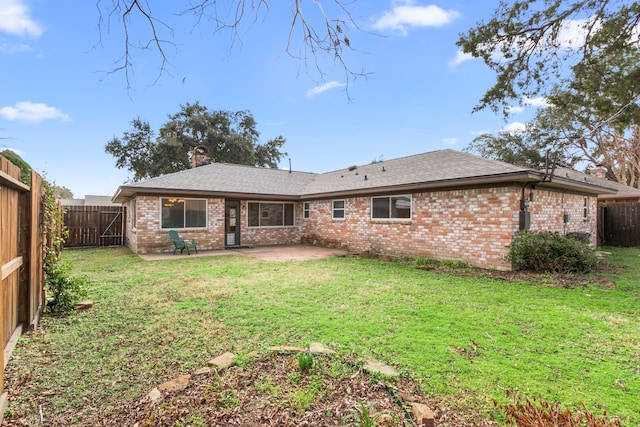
(463, 336)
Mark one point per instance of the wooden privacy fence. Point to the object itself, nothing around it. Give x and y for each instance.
(95, 225)
(23, 238)
(619, 224)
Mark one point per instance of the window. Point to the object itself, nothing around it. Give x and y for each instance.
(337, 211)
(270, 214)
(394, 207)
(585, 211)
(133, 213)
(307, 209)
(183, 213)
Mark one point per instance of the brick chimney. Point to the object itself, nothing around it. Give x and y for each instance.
(200, 156)
(599, 172)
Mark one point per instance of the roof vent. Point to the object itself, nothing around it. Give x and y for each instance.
(352, 168)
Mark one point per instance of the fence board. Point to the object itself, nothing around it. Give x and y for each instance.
(22, 246)
(95, 225)
(620, 224)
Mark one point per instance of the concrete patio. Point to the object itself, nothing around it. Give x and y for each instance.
(267, 253)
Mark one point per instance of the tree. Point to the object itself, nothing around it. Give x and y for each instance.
(532, 44)
(229, 137)
(25, 168)
(584, 57)
(134, 152)
(60, 192)
(318, 33)
(528, 148)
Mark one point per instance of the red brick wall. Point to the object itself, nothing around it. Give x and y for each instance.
(549, 208)
(472, 225)
(149, 237)
(256, 236)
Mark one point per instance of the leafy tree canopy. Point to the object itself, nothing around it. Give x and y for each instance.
(229, 137)
(25, 168)
(533, 44)
(584, 58)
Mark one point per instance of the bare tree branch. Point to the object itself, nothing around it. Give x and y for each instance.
(317, 41)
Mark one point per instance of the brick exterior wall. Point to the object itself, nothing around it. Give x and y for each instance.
(548, 210)
(471, 225)
(148, 237)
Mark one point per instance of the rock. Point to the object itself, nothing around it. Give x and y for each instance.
(317, 348)
(175, 384)
(154, 396)
(83, 305)
(380, 368)
(424, 415)
(202, 372)
(223, 361)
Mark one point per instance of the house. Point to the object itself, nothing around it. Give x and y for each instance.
(618, 212)
(443, 204)
(89, 200)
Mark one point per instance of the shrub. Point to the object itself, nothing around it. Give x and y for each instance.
(551, 252)
(65, 289)
(540, 413)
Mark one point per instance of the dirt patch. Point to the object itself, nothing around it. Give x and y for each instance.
(273, 391)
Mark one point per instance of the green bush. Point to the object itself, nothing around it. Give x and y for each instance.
(65, 290)
(551, 252)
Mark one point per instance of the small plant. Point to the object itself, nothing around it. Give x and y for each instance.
(65, 289)
(364, 416)
(305, 361)
(540, 413)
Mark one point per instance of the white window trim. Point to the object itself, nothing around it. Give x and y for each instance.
(393, 219)
(134, 213)
(206, 216)
(343, 209)
(271, 202)
(306, 210)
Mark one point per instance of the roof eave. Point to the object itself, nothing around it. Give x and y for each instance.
(520, 177)
(126, 192)
(581, 187)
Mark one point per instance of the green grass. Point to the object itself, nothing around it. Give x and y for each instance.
(470, 337)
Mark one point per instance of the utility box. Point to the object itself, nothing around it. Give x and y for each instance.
(525, 220)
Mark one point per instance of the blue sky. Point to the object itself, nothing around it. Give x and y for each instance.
(59, 105)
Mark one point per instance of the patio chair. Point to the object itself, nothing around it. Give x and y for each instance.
(182, 244)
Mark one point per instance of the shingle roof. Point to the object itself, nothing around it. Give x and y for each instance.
(622, 191)
(436, 168)
(230, 178)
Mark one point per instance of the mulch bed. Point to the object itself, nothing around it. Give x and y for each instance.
(272, 391)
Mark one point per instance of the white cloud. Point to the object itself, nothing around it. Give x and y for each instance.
(408, 14)
(541, 101)
(450, 141)
(31, 112)
(460, 58)
(15, 19)
(514, 127)
(515, 109)
(323, 88)
(6, 47)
